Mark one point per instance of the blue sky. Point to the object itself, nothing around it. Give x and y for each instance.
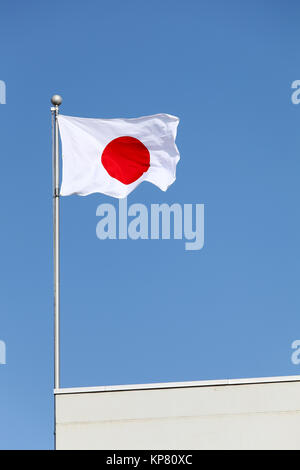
(149, 311)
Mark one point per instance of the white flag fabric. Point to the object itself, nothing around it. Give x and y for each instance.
(113, 156)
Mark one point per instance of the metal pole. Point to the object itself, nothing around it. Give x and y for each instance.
(56, 101)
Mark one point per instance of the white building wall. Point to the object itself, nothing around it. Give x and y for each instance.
(247, 414)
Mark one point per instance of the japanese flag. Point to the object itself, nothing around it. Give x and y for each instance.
(113, 156)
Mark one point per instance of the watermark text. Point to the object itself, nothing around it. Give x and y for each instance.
(160, 221)
(295, 357)
(2, 92)
(2, 352)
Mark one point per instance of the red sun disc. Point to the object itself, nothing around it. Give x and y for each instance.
(126, 159)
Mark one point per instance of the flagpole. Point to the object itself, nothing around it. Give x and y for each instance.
(56, 101)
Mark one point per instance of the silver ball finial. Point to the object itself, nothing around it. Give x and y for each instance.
(56, 100)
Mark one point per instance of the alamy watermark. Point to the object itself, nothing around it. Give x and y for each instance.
(295, 97)
(2, 352)
(295, 357)
(2, 92)
(162, 221)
